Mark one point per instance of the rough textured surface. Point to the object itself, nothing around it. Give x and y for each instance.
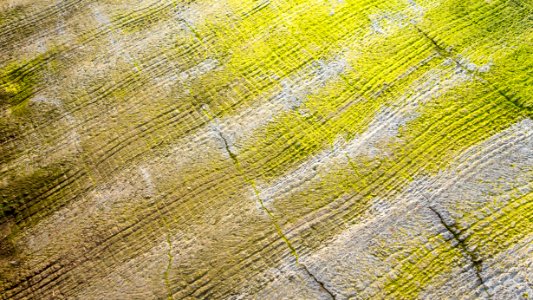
(266, 149)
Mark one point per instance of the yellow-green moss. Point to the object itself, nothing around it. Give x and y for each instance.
(19, 81)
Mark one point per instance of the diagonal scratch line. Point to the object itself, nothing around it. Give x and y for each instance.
(320, 283)
(271, 216)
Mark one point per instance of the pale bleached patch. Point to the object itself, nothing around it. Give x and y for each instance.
(470, 66)
(288, 281)
(202, 68)
(56, 103)
(114, 36)
(294, 90)
(386, 23)
(334, 5)
(147, 177)
(510, 271)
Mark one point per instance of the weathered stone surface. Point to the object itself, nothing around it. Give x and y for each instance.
(266, 149)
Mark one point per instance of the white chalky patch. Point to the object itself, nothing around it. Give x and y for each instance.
(294, 92)
(116, 44)
(201, 69)
(147, 177)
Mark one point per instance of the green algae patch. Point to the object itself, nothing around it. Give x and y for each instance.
(9, 131)
(456, 122)
(421, 268)
(20, 81)
(12, 14)
(343, 107)
(497, 48)
(444, 128)
(489, 236)
(17, 86)
(500, 229)
(276, 43)
(27, 188)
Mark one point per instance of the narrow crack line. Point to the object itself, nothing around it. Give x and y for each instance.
(474, 259)
(252, 183)
(232, 155)
(293, 251)
(169, 266)
(447, 54)
(212, 119)
(274, 222)
(269, 213)
(166, 274)
(289, 245)
(320, 283)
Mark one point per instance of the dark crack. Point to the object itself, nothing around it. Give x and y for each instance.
(232, 155)
(292, 250)
(320, 283)
(470, 255)
(166, 275)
